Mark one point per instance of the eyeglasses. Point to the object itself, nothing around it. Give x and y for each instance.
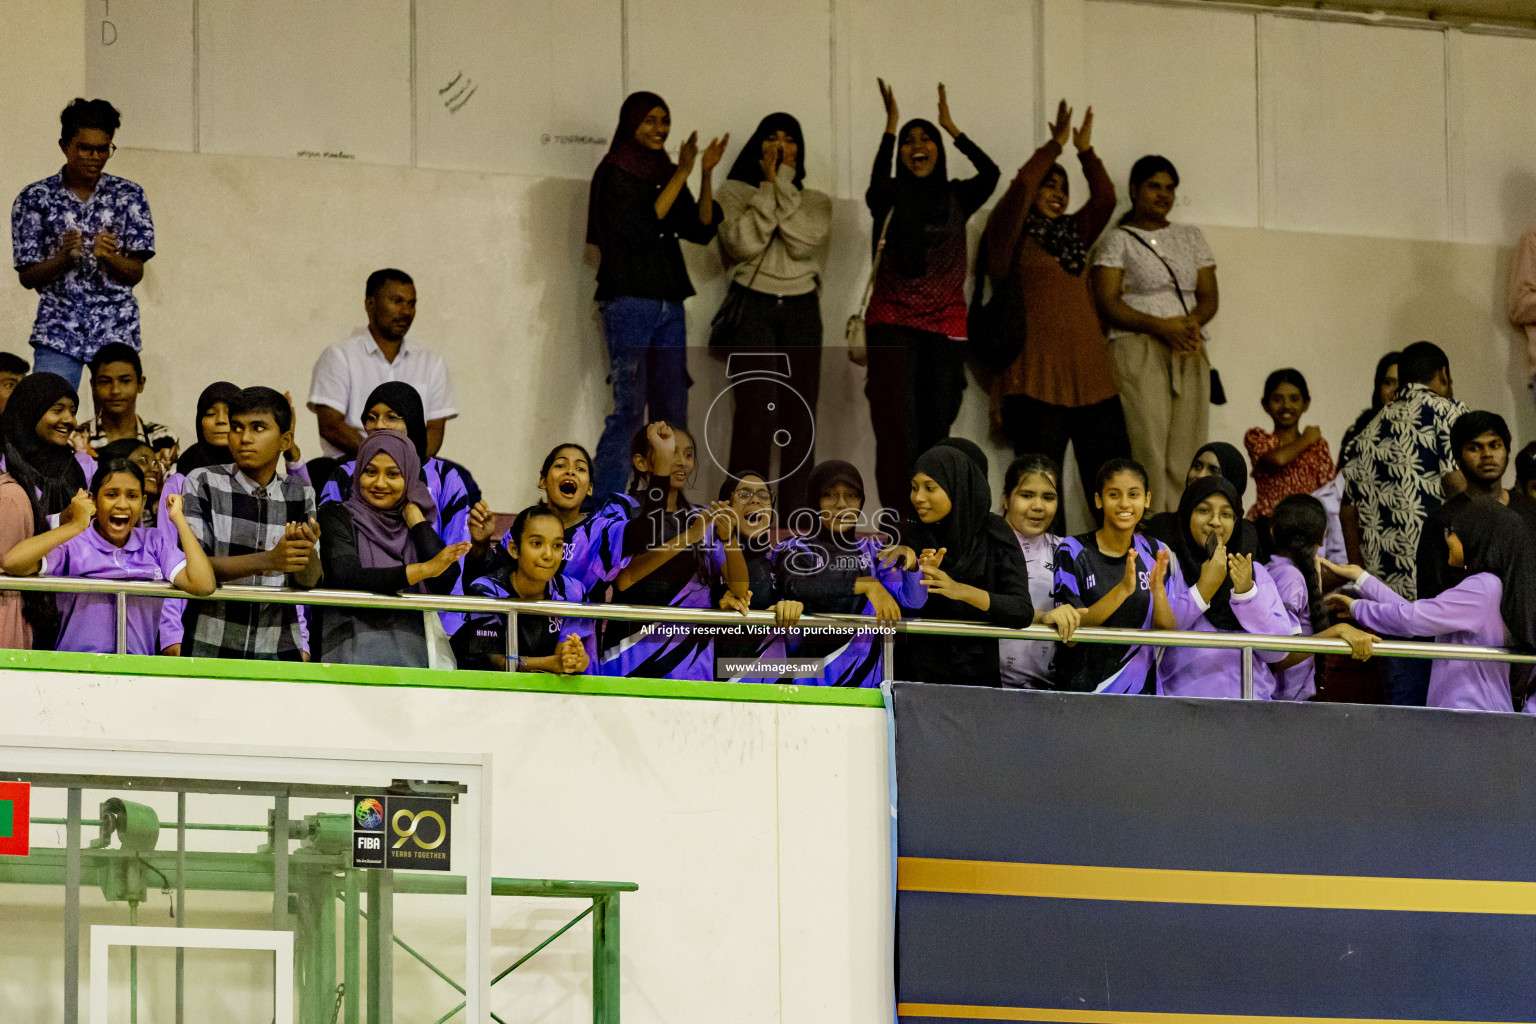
(103, 151)
(762, 496)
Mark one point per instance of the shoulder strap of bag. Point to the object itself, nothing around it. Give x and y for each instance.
(874, 267)
(758, 269)
(1177, 290)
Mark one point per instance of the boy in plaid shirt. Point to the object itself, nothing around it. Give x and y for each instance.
(258, 528)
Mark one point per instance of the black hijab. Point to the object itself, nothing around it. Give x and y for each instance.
(966, 529)
(970, 449)
(202, 453)
(1495, 540)
(921, 203)
(1191, 553)
(1059, 236)
(49, 472)
(748, 165)
(1233, 465)
(651, 166)
(406, 402)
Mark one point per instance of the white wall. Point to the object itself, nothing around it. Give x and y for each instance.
(758, 834)
(1338, 168)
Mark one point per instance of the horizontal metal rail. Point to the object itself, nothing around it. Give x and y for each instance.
(716, 618)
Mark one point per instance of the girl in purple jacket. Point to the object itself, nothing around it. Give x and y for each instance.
(1495, 606)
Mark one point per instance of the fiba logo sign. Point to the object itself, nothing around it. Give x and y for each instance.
(412, 832)
(406, 825)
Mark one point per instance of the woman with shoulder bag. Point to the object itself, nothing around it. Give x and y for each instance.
(916, 312)
(773, 235)
(1060, 387)
(1155, 283)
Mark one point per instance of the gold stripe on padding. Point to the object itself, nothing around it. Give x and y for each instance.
(1131, 1017)
(1228, 888)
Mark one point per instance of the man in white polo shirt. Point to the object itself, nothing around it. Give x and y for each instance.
(348, 371)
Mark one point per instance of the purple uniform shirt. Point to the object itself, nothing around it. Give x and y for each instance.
(89, 621)
(1299, 682)
(1468, 613)
(1217, 671)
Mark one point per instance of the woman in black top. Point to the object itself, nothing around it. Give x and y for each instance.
(972, 567)
(916, 316)
(382, 539)
(638, 208)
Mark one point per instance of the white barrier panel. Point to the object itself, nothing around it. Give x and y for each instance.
(758, 833)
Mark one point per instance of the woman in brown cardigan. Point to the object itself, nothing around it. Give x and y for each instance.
(1061, 387)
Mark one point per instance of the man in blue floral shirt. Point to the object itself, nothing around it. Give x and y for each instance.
(80, 238)
(1397, 471)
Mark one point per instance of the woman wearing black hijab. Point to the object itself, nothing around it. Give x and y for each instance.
(773, 237)
(1215, 587)
(211, 428)
(917, 311)
(638, 208)
(38, 419)
(972, 567)
(1217, 458)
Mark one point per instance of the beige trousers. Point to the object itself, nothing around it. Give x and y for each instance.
(1167, 403)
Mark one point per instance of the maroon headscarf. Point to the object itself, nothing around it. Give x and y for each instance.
(651, 166)
(383, 539)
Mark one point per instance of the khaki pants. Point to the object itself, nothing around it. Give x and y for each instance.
(1167, 403)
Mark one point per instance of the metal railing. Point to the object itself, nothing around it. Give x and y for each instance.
(121, 590)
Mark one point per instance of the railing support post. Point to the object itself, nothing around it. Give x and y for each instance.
(1247, 673)
(122, 622)
(511, 641)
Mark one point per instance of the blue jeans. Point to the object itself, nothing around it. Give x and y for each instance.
(47, 360)
(648, 368)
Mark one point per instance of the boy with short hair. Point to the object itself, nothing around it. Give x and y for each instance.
(259, 529)
(117, 381)
(12, 369)
(80, 239)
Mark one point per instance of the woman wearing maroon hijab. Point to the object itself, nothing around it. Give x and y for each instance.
(382, 538)
(638, 208)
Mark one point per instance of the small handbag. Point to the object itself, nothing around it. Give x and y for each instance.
(853, 333)
(725, 328)
(1218, 393)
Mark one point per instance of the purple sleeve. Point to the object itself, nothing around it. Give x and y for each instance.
(1373, 590)
(1065, 587)
(168, 556)
(1186, 610)
(906, 587)
(1263, 612)
(1293, 595)
(172, 629)
(1469, 606)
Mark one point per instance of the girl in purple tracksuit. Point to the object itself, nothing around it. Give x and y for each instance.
(832, 570)
(1216, 589)
(1495, 606)
(670, 552)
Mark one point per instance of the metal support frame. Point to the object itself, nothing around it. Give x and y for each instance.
(72, 910)
(122, 622)
(181, 902)
(1247, 690)
(381, 954)
(280, 863)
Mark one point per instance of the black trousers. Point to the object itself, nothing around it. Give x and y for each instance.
(915, 383)
(1097, 433)
(775, 380)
